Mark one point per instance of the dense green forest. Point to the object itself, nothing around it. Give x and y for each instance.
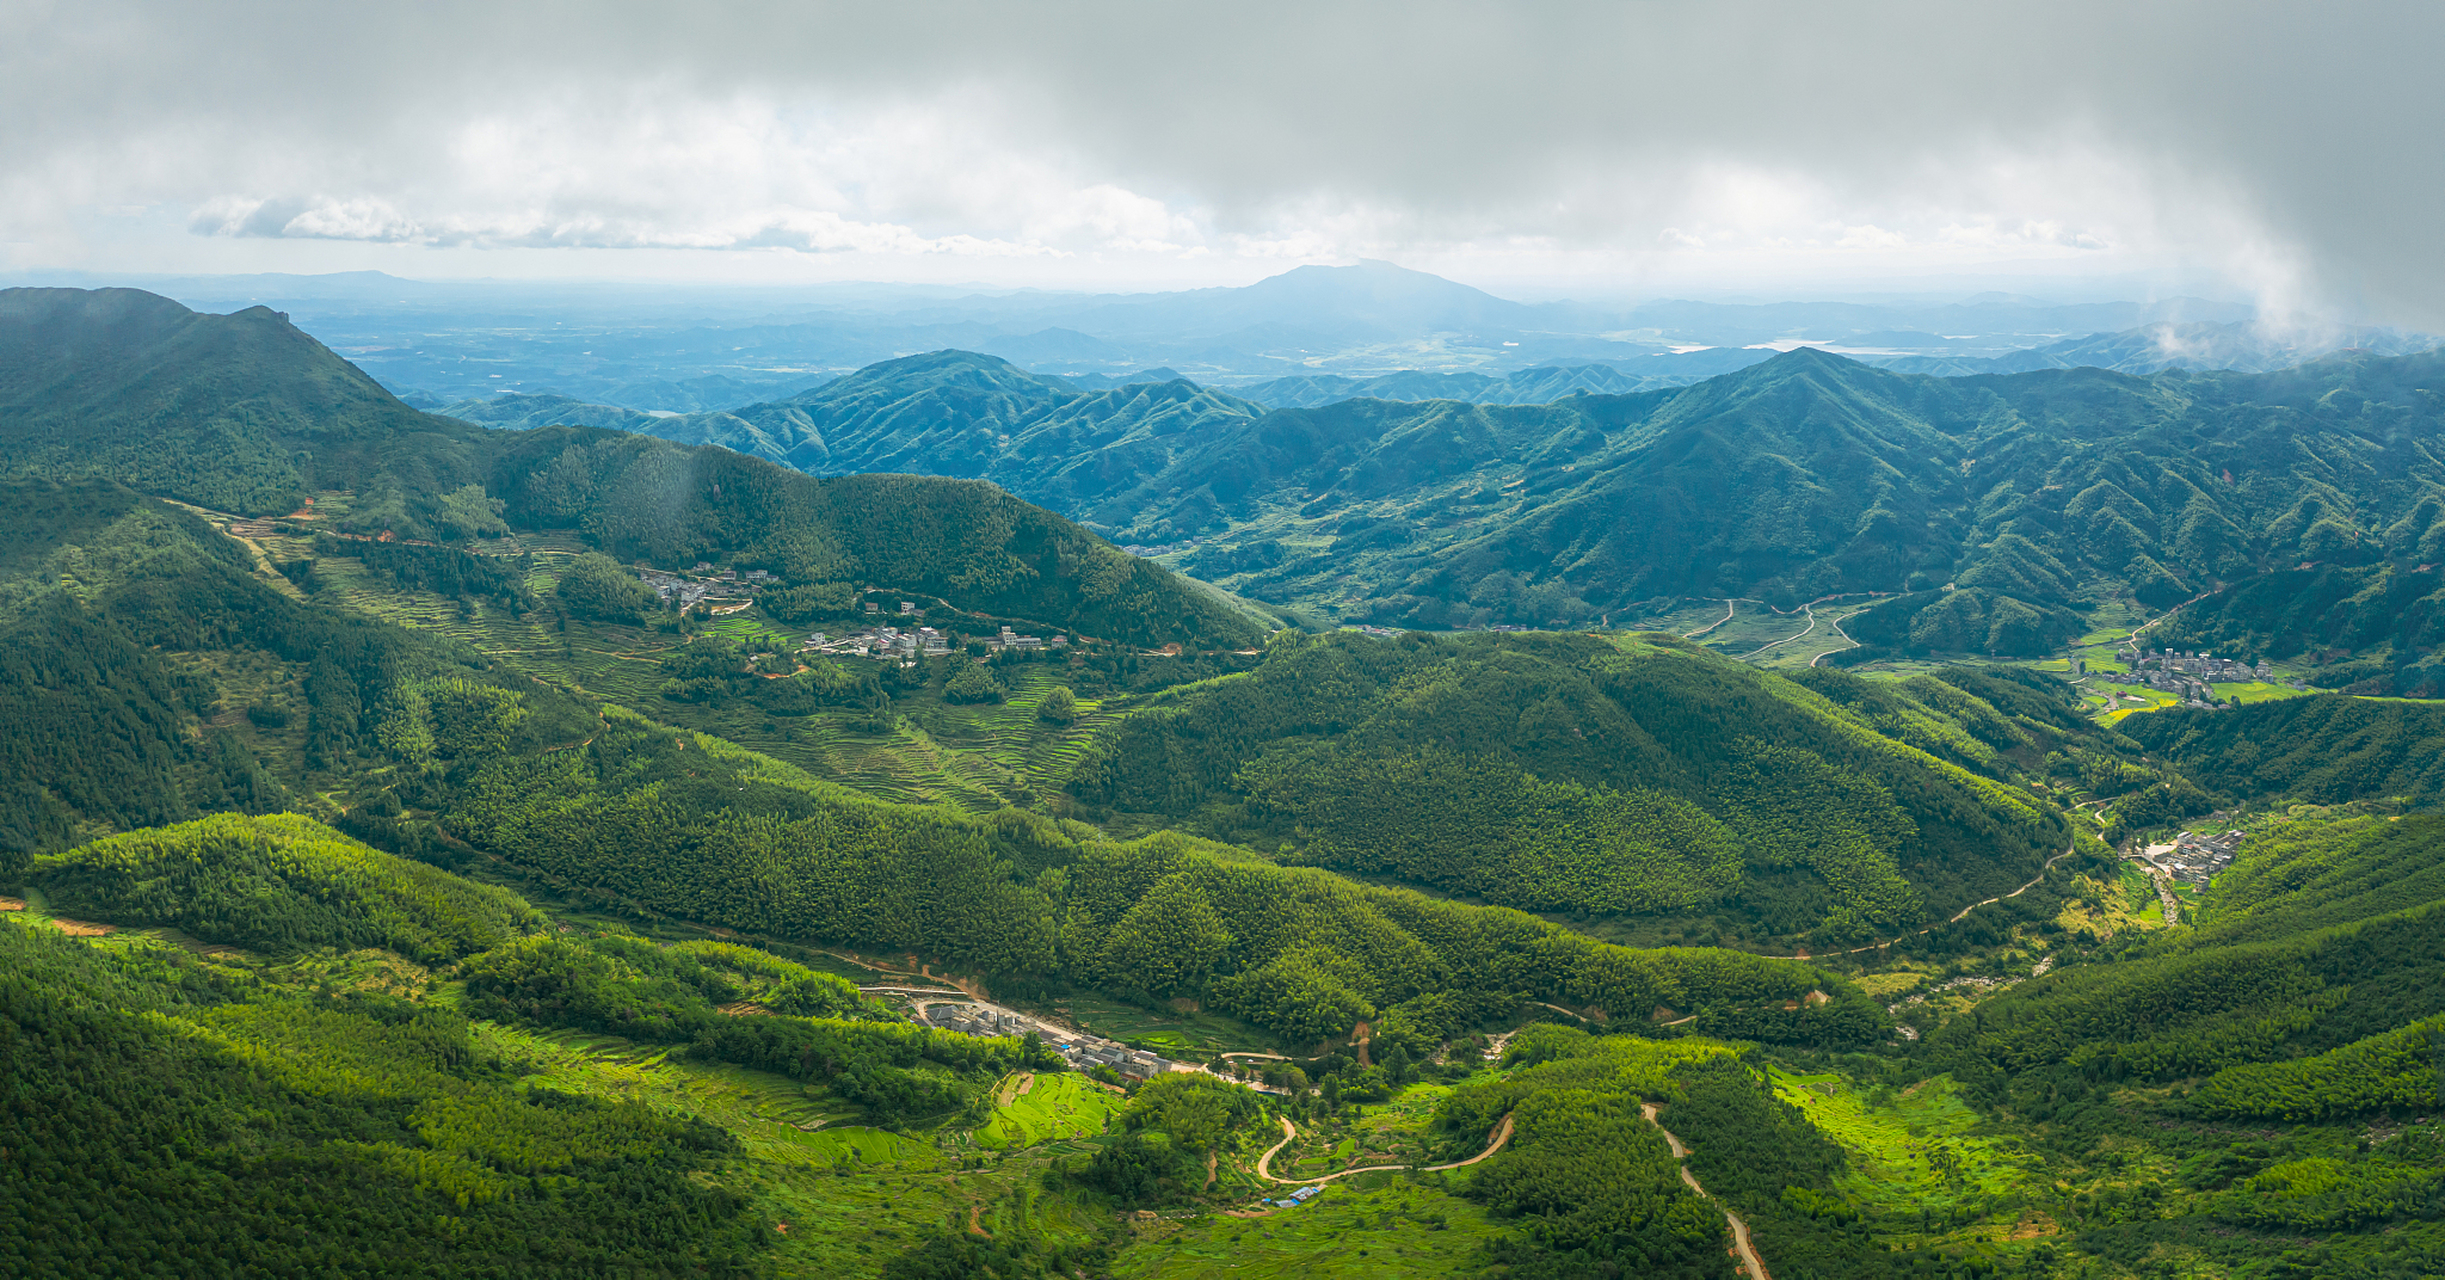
(1604, 777)
(2304, 998)
(696, 828)
(181, 1115)
(2322, 750)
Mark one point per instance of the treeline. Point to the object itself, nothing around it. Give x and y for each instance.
(2398, 1070)
(1566, 773)
(178, 1117)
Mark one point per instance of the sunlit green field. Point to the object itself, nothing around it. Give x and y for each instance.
(2256, 691)
(1371, 1225)
(1041, 1107)
(1913, 1150)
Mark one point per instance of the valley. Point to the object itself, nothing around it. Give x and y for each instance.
(457, 838)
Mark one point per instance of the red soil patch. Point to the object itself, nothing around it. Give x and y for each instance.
(81, 928)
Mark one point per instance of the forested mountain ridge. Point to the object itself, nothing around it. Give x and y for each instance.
(167, 677)
(245, 414)
(2038, 494)
(1812, 475)
(1634, 778)
(956, 413)
(241, 412)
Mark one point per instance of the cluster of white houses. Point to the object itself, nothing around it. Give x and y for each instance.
(2187, 675)
(2205, 666)
(2193, 858)
(702, 584)
(885, 643)
(1083, 1052)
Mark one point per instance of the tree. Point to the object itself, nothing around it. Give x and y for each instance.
(596, 586)
(972, 684)
(1058, 707)
(1170, 940)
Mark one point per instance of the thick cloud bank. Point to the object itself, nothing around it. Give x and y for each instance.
(2288, 147)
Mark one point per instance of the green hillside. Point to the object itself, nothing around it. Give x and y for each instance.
(2326, 750)
(1633, 777)
(2248, 1060)
(280, 883)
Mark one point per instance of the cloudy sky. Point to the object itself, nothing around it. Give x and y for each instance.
(2284, 151)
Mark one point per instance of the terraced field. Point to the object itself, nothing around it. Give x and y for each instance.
(1038, 1108)
(776, 1116)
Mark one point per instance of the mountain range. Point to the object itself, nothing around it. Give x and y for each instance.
(668, 349)
(1999, 508)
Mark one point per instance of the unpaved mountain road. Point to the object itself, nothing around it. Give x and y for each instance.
(1741, 1248)
(1264, 1163)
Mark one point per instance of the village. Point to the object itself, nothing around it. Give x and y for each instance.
(2186, 676)
(1082, 1051)
(2192, 858)
(704, 586)
(890, 643)
(903, 639)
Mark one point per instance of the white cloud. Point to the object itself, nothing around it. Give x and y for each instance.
(2278, 145)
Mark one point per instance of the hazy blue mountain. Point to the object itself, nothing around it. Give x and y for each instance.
(704, 349)
(1528, 386)
(511, 411)
(2155, 348)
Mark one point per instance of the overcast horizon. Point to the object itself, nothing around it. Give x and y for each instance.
(2255, 152)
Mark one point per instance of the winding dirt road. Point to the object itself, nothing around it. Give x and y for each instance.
(1955, 918)
(1836, 624)
(1741, 1248)
(1808, 609)
(1728, 607)
(1264, 1163)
